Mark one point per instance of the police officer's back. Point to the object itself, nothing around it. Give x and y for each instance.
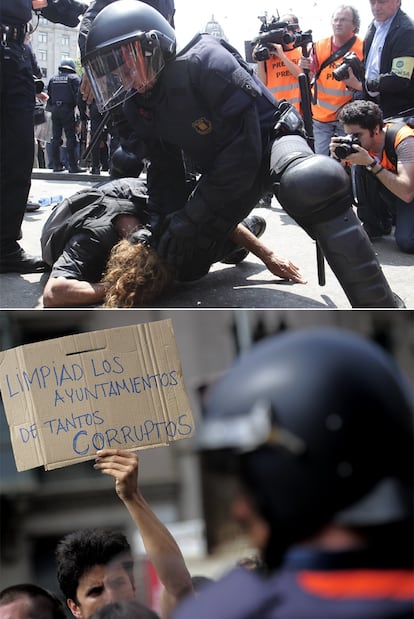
(63, 92)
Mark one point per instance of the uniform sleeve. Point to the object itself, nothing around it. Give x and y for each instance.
(401, 75)
(232, 96)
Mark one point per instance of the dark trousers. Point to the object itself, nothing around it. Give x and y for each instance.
(63, 119)
(379, 209)
(16, 143)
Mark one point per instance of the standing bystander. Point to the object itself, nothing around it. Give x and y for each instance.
(330, 94)
(389, 59)
(63, 90)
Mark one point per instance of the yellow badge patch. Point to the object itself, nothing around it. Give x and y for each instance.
(203, 126)
(403, 67)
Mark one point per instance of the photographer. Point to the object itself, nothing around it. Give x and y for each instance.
(280, 71)
(383, 171)
(329, 93)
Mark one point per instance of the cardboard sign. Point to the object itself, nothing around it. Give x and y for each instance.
(118, 388)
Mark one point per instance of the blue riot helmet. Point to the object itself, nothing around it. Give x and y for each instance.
(318, 424)
(126, 49)
(67, 64)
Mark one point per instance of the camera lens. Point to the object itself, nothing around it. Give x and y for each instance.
(341, 73)
(343, 151)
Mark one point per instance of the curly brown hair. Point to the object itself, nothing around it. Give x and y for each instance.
(135, 275)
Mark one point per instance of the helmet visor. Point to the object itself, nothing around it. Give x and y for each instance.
(118, 73)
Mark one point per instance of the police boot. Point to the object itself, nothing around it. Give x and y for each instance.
(316, 192)
(351, 257)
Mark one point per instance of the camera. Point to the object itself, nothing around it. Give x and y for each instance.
(350, 60)
(39, 85)
(278, 32)
(345, 147)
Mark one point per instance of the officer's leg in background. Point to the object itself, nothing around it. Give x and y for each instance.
(57, 129)
(69, 126)
(16, 157)
(315, 191)
(17, 153)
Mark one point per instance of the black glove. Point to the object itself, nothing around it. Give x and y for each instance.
(180, 239)
(65, 12)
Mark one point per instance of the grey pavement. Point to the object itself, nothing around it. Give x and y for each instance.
(248, 285)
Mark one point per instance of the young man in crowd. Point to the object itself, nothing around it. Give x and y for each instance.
(28, 601)
(383, 170)
(95, 567)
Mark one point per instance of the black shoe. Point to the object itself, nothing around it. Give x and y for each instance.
(95, 171)
(256, 225)
(59, 168)
(77, 170)
(398, 301)
(20, 262)
(32, 206)
(265, 201)
(376, 234)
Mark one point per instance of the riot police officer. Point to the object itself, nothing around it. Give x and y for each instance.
(317, 426)
(63, 90)
(205, 102)
(17, 142)
(125, 150)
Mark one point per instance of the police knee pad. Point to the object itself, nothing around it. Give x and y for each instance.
(315, 189)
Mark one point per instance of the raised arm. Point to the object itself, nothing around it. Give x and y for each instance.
(161, 547)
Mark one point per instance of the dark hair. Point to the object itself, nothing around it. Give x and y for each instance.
(124, 610)
(291, 19)
(79, 551)
(17, 592)
(367, 114)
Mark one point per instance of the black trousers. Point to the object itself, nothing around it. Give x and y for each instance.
(63, 119)
(17, 99)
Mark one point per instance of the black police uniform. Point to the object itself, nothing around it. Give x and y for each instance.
(17, 138)
(63, 91)
(17, 92)
(207, 104)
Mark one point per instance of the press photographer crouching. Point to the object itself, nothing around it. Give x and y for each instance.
(382, 158)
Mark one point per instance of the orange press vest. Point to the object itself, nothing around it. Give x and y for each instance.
(332, 95)
(404, 132)
(280, 80)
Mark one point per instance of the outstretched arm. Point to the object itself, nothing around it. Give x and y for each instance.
(62, 292)
(278, 266)
(161, 547)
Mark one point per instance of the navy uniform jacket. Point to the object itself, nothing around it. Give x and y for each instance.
(15, 11)
(326, 585)
(211, 108)
(64, 87)
(396, 91)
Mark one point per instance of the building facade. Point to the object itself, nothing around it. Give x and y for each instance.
(52, 43)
